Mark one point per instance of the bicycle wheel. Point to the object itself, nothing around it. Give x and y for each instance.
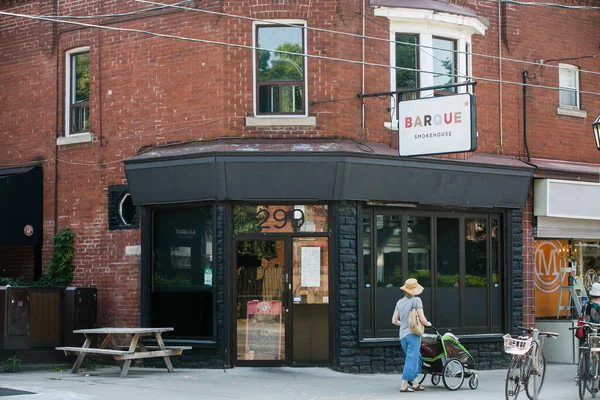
(583, 374)
(593, 373)
(540, 374)
(513, 378)
(453, 374)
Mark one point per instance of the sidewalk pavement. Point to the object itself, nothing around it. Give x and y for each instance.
(259, 383)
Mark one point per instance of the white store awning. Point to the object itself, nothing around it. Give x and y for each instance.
(567, 209)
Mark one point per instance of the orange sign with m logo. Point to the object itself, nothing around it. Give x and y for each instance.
(547, 276)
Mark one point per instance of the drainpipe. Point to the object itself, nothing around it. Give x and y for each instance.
(362, 90)
(500, 71)
(525, 75)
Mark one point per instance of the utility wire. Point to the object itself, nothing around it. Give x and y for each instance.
(279, 51)
(177, 5)
(535, 3)
(347, 33)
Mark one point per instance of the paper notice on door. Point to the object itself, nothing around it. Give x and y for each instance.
(310, 271)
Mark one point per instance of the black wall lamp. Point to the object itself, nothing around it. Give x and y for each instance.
(596, 127)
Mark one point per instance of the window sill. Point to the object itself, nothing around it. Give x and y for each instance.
(392, 126)
(571, 112)
(74, 139)
(281, 121)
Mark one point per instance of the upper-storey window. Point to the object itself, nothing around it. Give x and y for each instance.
(77, 91)
(568, 79)
(280, 74)
(429, 47)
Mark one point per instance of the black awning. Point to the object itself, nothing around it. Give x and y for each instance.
(322, 171)
(21, 202)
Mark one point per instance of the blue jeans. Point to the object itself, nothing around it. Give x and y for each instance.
(411, 344)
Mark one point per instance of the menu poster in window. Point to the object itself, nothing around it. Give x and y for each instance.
(310, 267)
(264, 327)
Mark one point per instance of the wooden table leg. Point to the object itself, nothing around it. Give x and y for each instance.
(132, 346)
(161, 345)
(81, 356)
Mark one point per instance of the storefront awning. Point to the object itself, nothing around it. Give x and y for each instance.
(21, 206)
(566, 209)
(321, 171)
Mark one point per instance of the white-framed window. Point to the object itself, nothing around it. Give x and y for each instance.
(77, 91)
(568, 81)
(280, 78)
(429, 48)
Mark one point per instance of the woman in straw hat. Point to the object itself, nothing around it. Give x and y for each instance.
(411, 343)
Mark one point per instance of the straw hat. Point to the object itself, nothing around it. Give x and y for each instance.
(412, 287)
(595, 292)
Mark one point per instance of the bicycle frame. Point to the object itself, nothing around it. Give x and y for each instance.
(587, 369)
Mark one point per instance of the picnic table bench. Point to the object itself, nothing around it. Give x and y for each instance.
(124, 354)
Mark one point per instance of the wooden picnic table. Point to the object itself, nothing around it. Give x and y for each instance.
(108, 339)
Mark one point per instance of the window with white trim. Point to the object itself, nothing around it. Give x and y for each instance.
(280, 69)
(568, 80)
(77, 91)
(428, 48)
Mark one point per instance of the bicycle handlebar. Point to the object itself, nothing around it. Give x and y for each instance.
(553, 335)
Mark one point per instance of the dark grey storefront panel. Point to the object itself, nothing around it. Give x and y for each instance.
(307, 180)
(437, 184)
(172, 182)
(326, 177)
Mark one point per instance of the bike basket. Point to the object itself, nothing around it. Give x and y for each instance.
(516, 346)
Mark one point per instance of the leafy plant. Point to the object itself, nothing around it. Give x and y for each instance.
(12, 364)
(4, 281)
(60, 269)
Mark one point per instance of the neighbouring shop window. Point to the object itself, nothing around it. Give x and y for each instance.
(280, 74)
(182, 293)
(77, 91)
(280, 218)
(458, 267)
(585, 257)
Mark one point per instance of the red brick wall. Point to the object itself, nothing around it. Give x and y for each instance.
(148, 90)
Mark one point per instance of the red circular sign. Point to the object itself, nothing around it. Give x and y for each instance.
(28, 230)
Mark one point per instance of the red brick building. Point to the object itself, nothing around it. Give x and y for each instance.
(255, 200)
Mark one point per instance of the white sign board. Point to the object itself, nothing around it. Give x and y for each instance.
(437, 125)
(310, 267)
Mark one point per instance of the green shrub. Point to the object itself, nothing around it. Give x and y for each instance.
(60, 269)
(11, 281)
(12, 364)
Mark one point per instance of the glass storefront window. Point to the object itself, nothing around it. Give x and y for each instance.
(182, 294)
(462, 290)
(280, 218)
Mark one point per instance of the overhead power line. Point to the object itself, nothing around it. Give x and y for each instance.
(178, 5)
(225, 44)
(540, 4)
(243, 17)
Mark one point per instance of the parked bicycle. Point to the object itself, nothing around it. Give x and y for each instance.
(587, 369)
(527, 368)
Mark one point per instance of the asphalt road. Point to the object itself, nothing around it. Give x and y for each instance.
(258, 383)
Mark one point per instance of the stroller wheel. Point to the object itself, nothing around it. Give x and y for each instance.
(453, 374)
(473, 382)
(435, 380)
